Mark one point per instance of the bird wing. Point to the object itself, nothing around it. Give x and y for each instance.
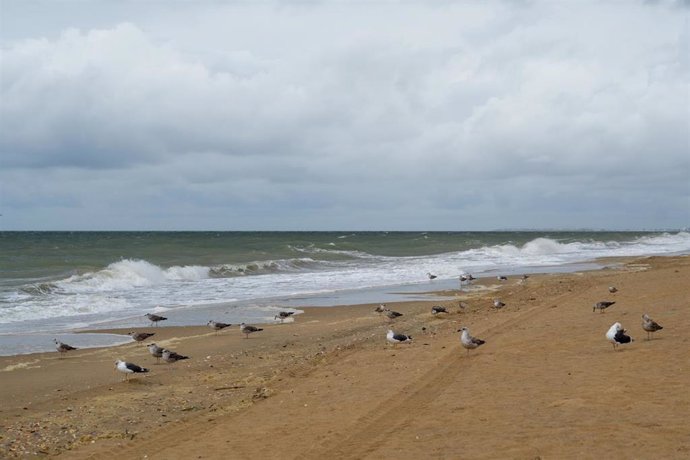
(620, 337)
(135, 368)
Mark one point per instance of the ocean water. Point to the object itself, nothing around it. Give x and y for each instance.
(59, 282)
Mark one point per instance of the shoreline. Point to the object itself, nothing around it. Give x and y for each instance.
(544, 383)
(11, 342)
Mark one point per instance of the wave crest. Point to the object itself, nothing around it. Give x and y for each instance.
(129, 274)
(339, 253)
(263, 267)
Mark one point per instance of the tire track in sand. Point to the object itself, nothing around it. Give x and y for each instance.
(392, 414)
(380, 422)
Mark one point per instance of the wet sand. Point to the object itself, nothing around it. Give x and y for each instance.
(546, 384)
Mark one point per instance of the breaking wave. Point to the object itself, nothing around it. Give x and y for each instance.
(131, 287)
(129, 274)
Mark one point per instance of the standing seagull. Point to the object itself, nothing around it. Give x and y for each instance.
(466, 278)
(216, 326)
(63, 347)
(170, 356)
(283, 315)
(469, 342)
(394, 338)
(155, 351)
(380, 309)
(502, 278)
(603, 305)
(616, 335)
(129, 368)
(431, 277)
(246, 329)
(141, 336)
(155, 318)
(649, 325)
(498, 303)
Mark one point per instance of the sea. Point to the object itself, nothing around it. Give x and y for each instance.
(55, 284)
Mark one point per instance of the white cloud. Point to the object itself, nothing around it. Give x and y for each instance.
(379, 116)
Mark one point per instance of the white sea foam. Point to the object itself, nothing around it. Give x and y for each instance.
(129, 274)
(129, 288)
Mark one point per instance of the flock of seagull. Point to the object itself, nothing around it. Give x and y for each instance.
(616, 334)
(168, 356)
(466, 340)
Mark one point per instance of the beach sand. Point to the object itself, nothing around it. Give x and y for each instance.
(546, 384)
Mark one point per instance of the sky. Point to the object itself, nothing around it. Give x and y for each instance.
(344, 115)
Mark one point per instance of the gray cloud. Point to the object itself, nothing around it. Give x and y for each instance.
(371, 116)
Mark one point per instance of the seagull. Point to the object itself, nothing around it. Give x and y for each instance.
(649, 325)
(391, 315)
(502, 278)
(469, 342)
(438, 309)
(613, 289)
(129, 368)
(170, 356)
(498, 303)
(155, 318)
(603, 305)
(431, 277)
(380, 309)
(616, 335)
(216, 326)
(63, 347)
(155, 351)
(525, 277)
(394, 338)
(466, 278)
(141, 336)
(247, 329)
(283, 315)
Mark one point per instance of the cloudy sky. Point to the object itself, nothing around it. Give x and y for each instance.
(335, 115)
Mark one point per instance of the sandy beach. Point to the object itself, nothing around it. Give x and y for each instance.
(546, 384)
